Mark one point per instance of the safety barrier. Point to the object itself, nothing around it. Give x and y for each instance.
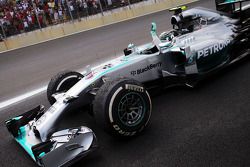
(69, 28)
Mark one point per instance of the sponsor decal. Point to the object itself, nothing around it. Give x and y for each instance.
(90, 75)
(117, 128)
(52, 109)
(134, 88)
(148, 68)
(107, 66)
(213, 49)
(190, 59)
(188, 40)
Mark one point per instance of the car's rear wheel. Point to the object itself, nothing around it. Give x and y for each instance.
(122, 107)
(62, 82)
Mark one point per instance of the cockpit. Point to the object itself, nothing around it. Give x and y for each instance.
(164, 41)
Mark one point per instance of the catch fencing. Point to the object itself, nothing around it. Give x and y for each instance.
(29, 15)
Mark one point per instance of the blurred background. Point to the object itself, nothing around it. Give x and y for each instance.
(19, 16)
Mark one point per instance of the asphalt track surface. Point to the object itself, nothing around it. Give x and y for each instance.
(205, 126)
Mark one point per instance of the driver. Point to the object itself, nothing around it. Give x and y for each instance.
(168, 36)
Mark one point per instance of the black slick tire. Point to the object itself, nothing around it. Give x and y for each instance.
(62, 82)
(122, 106)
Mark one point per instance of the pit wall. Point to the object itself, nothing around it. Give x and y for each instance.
(69, 28)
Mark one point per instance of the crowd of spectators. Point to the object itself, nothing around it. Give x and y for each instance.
(17, 16)
(26, 15)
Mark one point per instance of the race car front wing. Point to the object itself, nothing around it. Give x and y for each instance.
(62, 148)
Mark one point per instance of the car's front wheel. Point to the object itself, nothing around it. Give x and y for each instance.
(122, 107)
(62, 82)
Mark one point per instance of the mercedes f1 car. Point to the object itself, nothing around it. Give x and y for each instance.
(201, 42)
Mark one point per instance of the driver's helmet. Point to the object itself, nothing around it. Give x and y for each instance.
(166, 36)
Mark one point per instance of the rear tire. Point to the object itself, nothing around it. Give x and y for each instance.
(122, 107)
(62, 82)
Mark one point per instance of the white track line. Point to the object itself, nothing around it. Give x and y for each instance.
(22, 97)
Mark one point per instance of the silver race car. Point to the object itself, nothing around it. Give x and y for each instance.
(201, 42)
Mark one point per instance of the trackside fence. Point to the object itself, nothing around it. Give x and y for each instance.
(27, 15)
(47, 23)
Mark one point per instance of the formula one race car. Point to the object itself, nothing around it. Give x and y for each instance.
(202, 42)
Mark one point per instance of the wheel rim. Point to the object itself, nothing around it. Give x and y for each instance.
(131, 109)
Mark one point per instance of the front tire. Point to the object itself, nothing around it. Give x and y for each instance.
(62, 82)
(122, 107)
